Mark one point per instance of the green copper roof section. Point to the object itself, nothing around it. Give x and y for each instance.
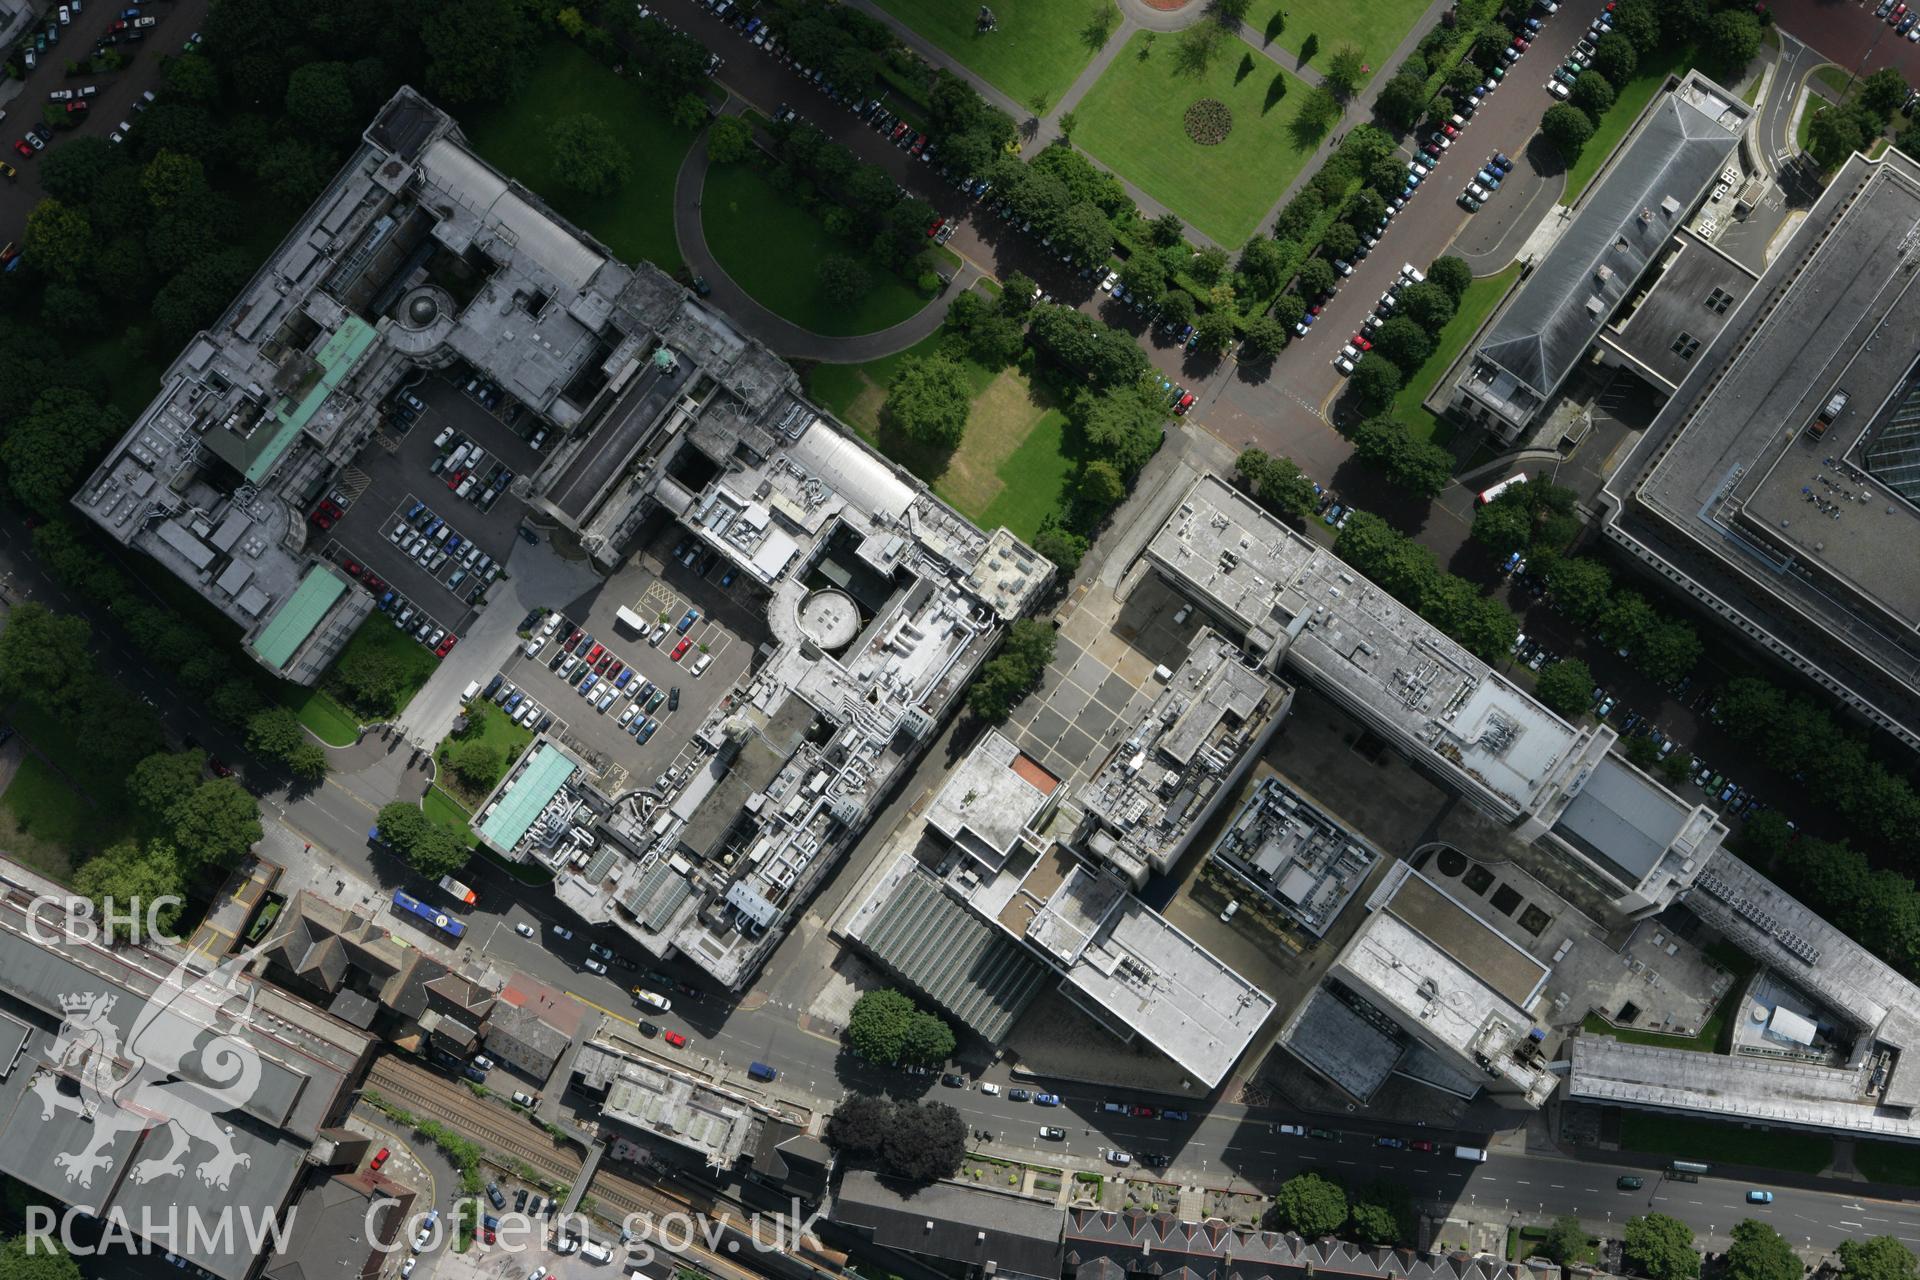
(336, 359)
(545, 774)
(298, 617)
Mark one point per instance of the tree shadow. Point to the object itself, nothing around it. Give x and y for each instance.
(1306, 132)
(1255, 371)
(1275, 92)
(1308, 48)
(1099, 28)
(1245, 68)
(1275, 25)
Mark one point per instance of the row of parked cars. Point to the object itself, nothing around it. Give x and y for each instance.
(470, 471)
(433, 544)
(602, 678)
(1905, 21)
(518, 705)
(1360, 343)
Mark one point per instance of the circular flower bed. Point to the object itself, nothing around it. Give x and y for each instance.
(1209, 121)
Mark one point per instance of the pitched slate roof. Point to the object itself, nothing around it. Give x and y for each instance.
(1160, 1245)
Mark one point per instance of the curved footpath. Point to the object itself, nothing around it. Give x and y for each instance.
(783, 336)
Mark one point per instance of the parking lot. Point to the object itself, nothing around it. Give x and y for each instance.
(627, 725)
(387, 537)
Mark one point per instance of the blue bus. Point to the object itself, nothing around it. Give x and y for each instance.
(440, 920)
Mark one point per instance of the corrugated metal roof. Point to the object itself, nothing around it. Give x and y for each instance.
(296, 618)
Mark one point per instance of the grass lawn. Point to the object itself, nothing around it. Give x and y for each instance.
(47, 824)
(1705, 1140)
(1610, 128)
(1834, 77)
(1375, 27)
(1133, 120)
(416, 662)
(770, 246)
(564, 80)
(444, 811)
(1482, 296)
(1038, 46)
(1009, 468)
(321, 712)
(488, 724)
(1894, 1162)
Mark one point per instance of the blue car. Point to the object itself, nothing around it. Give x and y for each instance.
(415, 510)
(455, 542)
(726, 579)
(1489, 179)
(586, 686)
(647, 732)
(686, 623)
(1759, 1197)
(1499, 161)
(1173, 1113)
(635, 725)
(620, 681)
(513, 703)
(1333, 513)
(1046, 1099)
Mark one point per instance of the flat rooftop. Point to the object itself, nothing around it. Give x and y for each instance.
(1380, 659)
(1791, 532)
(1697, 292)
(1296, 855)
(1750, 1090)
(994, 794)
(665, 1104)
(1621, 822)
(1474, 945)
(1346, 1047)
(525, 793)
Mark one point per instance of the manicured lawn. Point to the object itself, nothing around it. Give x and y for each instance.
(416, 662)
(1610, 128)
(1038, 46)
(1482, 296)
(1133, 120)
(1705, 1140)
(636, 221)
(47, 824)
(1894, 1162)
(1009, 468)
(1375, 27)
(770, 247)
(444, 811)
(488, 724)
(321, 712)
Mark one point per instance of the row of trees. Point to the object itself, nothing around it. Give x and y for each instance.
(1404, 342)
(429, 848)
(1404, 98)
(1378, 1213)
(203, 665)
(856, 200)
(1007, 677)
(919, 1141)
(1838, 131)
(888, 1029)
(1410, 574)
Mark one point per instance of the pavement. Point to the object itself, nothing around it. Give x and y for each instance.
(118, 91)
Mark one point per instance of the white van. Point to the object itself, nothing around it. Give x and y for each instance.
(454, 458)
(658, 1003)
(593, 1251)
(472, 688)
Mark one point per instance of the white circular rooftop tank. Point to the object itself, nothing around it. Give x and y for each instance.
(830, 619)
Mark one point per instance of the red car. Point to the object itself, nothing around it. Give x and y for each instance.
(899, 131)
(1359, 340)
(593, 654)
(572, 640)
(1145, 1113)
(23, 149)
(445, 647)
(680, 650)
(321, 520)
(919, 145)
(352, 567)
(77, 108)
(934, 229)
(1422, 1144)
(675, 1039)
(373, 580)
(379, 1158)
(1448, 129)
(221, 769)
(1186, 403)
(614, 671)
(453, 481)
(600, 667)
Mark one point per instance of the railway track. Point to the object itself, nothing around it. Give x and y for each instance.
(618, 1192)
(455, 1106)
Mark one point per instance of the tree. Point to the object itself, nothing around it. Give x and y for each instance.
(689, 112)
(1660, 1246)
(1759, 1252)
(369, 679)
(877, 1027)
(1566, 1239)
(1008, 675)
(476, 762)
(1401, 100)
(586, 156)
(1878, 1258)
(22, 1259)
(1427, 305)
(1592, 93)
(1144, 276)
(1669, 651)
(37, 648)
(1311, 1205)
(163, 780)
(1833, 134)
(928, 1041)
(1195, 48)
(1101, 484)
(125, 875)
(51, 448)
(1639, 22)
(1627, 620)
(729, 139)
(1503, 526)
(1565, 686)
(73, 171)
(1062, 546)
(58, 239)
(1382, 1214)
(860, 1123)
(401, 825)
(1317, 112)
(191, 77)
(1403, 342)
(319, 101)
(1614, 58)
(841, 280)
(216, 824)
(476, 50)
(1346, 69)
(1373, 384)
(1264, 338)
(1341, 240)
(926, 1143)
(1579, 588)
(1452, 274)
(1176, 309)
(928, 401)
(1215, 330)
(1276, 482)
(1167, 230)
(1316, 277)
(275, 733)
(1882, 93)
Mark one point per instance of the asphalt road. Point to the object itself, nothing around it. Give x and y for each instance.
(1847, 33)
(114, 103)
